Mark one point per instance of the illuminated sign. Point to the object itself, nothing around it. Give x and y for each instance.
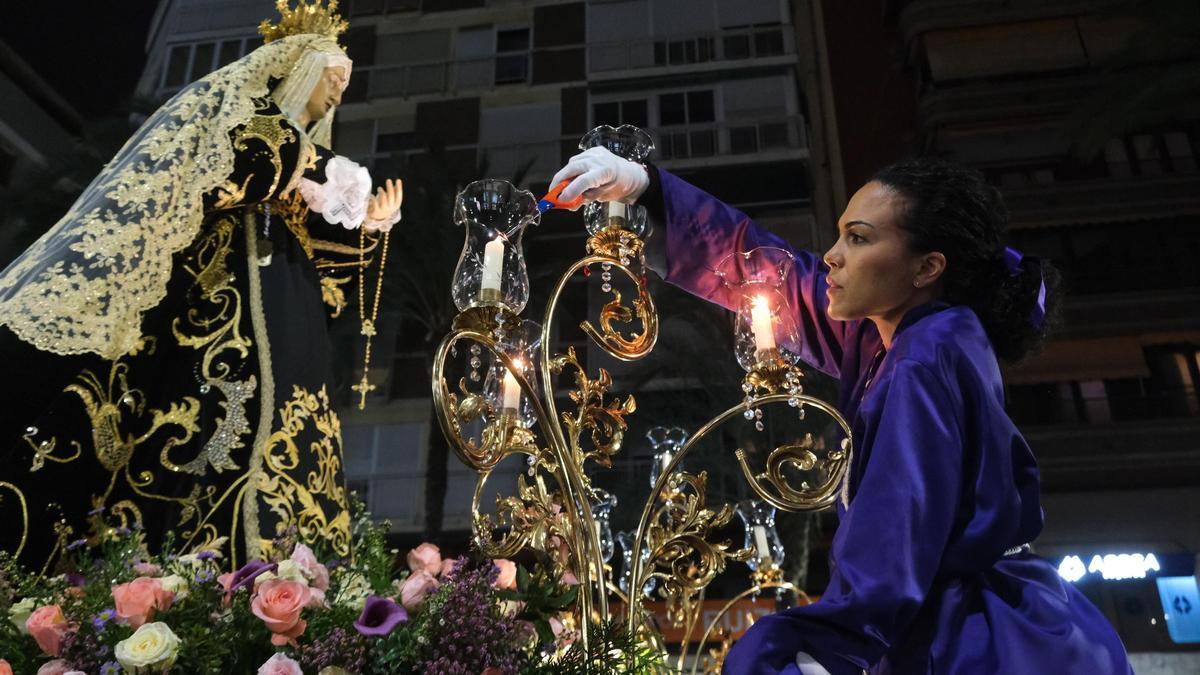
(1181, 607)
(1112, 567)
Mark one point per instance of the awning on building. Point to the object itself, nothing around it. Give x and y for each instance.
(1107, 358)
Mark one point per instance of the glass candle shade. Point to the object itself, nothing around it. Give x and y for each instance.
(759, 518)
(631, 143)
(491, 269)
(625, 539)
(602, 513)
(666, 443)
(765, 328)
(522, 345)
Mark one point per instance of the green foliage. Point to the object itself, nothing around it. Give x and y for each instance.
(611, 649)
(543, 596)
(372, 556)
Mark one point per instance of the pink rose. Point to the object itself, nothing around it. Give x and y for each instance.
(447, 567)
(280, 664)
(558, 549)
(147, 569)
(425, 557)
(508, 573)
(415, 588)
(137, 600)
(226, 580)
(318, 574)
(55, 667)
(5, 669)
(278, 603)
(48, 627)
(562, 636)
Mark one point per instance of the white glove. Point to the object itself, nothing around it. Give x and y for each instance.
(601, 176)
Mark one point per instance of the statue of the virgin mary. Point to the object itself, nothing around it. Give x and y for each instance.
(166, 342)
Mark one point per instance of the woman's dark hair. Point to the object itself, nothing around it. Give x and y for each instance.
(953, 210)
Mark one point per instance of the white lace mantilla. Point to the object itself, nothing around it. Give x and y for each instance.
(85, 284)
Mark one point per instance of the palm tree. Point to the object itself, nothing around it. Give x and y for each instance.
(426, 249)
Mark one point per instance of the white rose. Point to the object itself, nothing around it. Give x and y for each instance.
(287, 570)
(176, 584)
(20, 612)
(152, 647)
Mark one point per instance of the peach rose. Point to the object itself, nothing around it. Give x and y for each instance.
(5, 668)
(508, 573)
(425, 557)
(137, 600)
(318, 574)
(447, 567)
(278, 603)
(48, 627)
(415, 588)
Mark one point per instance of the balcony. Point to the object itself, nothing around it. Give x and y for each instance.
(922, 16)
(441, 77)
(704, 51)
(700, 144)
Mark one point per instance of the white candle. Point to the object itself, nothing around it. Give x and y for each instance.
(616, 210)
(511, 393)
(760, 323)
(760, 543)
(493, 264)
(666, 459)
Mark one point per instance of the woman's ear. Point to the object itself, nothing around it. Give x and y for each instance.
(930, 270)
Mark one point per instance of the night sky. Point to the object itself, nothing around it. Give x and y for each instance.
(90, 52)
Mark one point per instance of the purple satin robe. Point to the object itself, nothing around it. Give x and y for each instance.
(941, 485)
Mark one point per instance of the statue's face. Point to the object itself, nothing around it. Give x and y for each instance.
(327, 93)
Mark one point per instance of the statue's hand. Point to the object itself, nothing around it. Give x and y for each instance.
(383, 208)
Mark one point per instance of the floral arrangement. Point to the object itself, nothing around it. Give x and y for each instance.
(116, 609)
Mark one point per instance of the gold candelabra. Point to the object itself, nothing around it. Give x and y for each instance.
(489, 418)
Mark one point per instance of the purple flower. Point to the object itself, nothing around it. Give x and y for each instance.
(110, 668)
(76, 579)
(204, 576)
(244, 578)
(205, 555)
(124, 531)
(101, 620)
(78, 543)
(380, 616)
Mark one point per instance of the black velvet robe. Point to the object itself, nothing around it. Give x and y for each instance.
(219, 424)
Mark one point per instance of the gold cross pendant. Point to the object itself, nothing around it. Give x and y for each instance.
(363, 388)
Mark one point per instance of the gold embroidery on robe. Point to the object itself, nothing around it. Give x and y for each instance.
(297, 499)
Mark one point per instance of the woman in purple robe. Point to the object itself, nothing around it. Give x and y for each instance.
(930, 569)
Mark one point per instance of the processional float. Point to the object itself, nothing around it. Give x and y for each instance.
(505, 404)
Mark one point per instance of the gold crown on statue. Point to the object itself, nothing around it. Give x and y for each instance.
(308, 17)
